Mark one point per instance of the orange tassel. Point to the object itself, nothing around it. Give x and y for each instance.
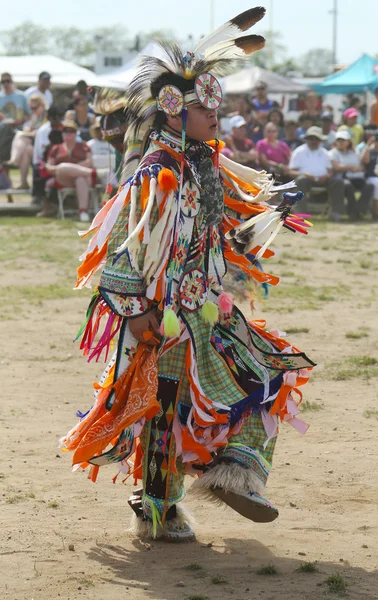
(167, 181)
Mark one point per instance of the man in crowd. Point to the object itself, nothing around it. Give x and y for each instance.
(14, 109)
(239, 147)
(261, 102)
(42, 89)
(311, 166)
(329, 134)
(291, 138)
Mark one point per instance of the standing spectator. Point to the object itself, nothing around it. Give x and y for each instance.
(290, 137)
(261, 103)
(311, 166)
(42, 89)
(356, 131)
(329, 134)
(369, 158)
(276, 116)
(273, 154)
(238, 146)
(14, 110)
(305, 121)
(103, 155)
(374, 110)
(258, 132)
(22, 145)
(71, 165)
(82, 117)
(346, 164)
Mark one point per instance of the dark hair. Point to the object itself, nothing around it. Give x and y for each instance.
(276, 110)
(8, 75)
(185, 85)
(55, 137)
(305, 116)
(77, 100)
(54, 113)
(291, 124)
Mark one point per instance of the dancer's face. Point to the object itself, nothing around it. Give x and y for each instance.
(202, 123)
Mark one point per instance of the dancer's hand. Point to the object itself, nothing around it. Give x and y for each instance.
(142, 327)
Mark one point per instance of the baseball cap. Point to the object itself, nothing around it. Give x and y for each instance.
(44, 75)
(237, 121)
(327, 115)
(343, 135)
(350, 113)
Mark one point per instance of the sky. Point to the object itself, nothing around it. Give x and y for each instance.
(304, 24)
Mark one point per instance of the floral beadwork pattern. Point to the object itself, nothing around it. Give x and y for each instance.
(192, 290)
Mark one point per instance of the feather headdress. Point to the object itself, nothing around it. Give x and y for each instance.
(215, 54)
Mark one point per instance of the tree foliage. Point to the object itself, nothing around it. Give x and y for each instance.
(317, 62)
(26, 38)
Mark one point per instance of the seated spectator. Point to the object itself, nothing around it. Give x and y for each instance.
(71, 165)
(356, 131)
(346, 164)
(290, 137)
(374, 110)
(329, 134)
(81, 90)
(238, 146)
(243, 107)
(273, 154)
(261, 103)
(276, 116)
(305, 121)
(313, 105)
(369, 158)
(311, 166)
(258, 132)
(103, 156)
(42, 143)
(82, 117)
(42, 89)
(356, 103)
(22, 145)
(14, 110)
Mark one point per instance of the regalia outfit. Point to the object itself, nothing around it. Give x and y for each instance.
(208, 398)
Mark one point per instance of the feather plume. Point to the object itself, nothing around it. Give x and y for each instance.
(235, 49)
(231, 29)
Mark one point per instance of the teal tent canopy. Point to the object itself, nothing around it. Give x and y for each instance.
(360, 76)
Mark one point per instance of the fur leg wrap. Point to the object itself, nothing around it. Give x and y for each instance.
(183, 521)
(230, 477)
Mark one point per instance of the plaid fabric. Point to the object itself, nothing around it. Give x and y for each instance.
(253, 435)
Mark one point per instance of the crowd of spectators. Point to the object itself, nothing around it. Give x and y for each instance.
(64, 148)
(338, 159)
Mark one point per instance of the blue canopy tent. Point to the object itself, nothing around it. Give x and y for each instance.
(360, 76)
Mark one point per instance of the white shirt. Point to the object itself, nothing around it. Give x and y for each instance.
(328, 143)
(350, 159)
(41, 141)
(314, 162)
(103, 155)
(46, 95)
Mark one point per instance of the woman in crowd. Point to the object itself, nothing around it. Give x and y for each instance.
(346, 164)
(350, 116)
(369, 158)
(276, 116)
(82, 117)
(70, 165)
(273, 154)
(103, 156)
(22, 145)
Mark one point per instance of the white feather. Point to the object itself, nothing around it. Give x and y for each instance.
(251, 176)
(135, 229)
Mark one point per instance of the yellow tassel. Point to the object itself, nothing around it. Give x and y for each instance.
(171, 324)
(210, 312)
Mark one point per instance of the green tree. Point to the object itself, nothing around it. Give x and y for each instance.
(26, 38)
(71, 43)
(274, 52)
(317, 62)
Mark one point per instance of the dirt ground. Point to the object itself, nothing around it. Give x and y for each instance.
(65, 537)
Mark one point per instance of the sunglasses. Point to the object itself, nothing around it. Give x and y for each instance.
(6, 81)
(69, 131)
(34, 107)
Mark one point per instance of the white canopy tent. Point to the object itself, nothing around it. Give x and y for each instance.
(25, 71)
(122, 76)
(244, 82)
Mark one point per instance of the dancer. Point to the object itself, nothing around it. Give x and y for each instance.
(192, 386)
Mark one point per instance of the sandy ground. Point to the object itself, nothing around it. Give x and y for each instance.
(64, 537)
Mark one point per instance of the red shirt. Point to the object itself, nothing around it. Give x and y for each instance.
(79, 153)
